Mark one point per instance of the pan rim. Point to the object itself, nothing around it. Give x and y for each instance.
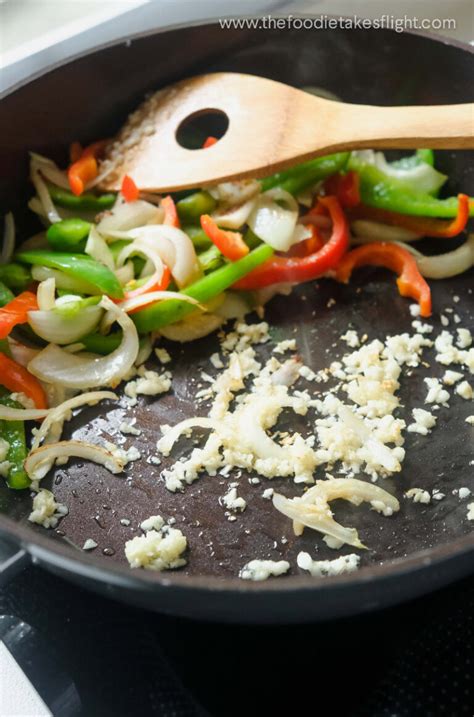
(56, 553)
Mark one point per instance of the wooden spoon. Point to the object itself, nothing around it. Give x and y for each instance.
(271, 126)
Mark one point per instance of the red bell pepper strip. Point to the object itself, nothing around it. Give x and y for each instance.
(129, 189)
(18, 379)
(16, 312)
(84, 169)
(298, 269)
(345, 187)
(392, 256)
(171, 215)
(209, 142)
(424, 226)
(230, 244)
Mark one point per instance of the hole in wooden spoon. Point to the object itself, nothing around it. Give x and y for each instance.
(196, 130)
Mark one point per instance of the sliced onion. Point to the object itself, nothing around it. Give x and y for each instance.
(443, 266)
(61, 412)
(125, 273)
(236, 192)
(421, 177)
(235, 305)
(137, 301)
(54, 365)
(150, 252)
(128, 215)
(39, 461)
(21, 354)
(175, 249)
(22, 414)
(191, 328)
(45, 294)
(49, 209)
(233, 217)
(366, 231)
(312, 509)
(50, 170)
(144, 353)
(64, 281)
(166, 443)
(272, 223)
(97, 248)
(57, 329)
(8, 246)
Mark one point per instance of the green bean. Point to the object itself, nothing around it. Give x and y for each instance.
(168, 312)
(69, 235)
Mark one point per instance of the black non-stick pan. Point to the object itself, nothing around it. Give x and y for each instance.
(416, 551)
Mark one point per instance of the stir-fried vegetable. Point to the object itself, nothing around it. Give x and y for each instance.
(299, 178)
(84, 202)
(13, 432)
(16, 312)
(192, 207)
(69, 235)
(77, 266)
(230, 244)
(16, 378)
(392, 256)
(297, 269)
(210, 286)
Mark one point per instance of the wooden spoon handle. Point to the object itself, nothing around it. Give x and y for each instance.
(435, 126)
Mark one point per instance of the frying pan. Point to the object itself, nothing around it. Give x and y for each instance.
(416, 551)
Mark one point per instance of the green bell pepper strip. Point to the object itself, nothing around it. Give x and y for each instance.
(421, 155)
(78, 266)
(69, 235)
(198, 237)
(15, 276)
(14, 433)
(378, 190)
(5, 294)
(103, 345)
(299, 178)
(210, 259)
(191, 207)
(93, 202)
(168, 312)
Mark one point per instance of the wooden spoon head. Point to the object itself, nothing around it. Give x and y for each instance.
(270, 125)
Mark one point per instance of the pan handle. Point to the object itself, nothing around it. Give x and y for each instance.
(13, 559)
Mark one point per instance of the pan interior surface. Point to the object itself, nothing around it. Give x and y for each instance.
(376, 67)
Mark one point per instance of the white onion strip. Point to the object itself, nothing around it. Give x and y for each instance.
(54, 365)
(175, 249)
(312, 509)
(39, 461)
(46, 294)
(452, 263)
(366, 231)
(42, 191)
(166, 443)
(150, 253)
(22, 414)
(51, 171)
(61, 412)
(8, 246)
(272, 223)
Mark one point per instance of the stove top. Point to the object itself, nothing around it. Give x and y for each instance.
(87, 656)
